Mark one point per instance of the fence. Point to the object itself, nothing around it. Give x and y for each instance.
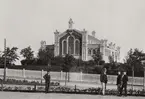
(60, 76)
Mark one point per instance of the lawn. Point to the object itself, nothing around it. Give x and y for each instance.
(21, 95)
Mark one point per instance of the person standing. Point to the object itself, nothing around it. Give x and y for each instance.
(124, 80)
(103, 80)
(47, 81)
(118, 83)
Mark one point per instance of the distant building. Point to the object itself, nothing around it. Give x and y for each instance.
(44, 46)
(81, 44)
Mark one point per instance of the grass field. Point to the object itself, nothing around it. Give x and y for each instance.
(20, 95)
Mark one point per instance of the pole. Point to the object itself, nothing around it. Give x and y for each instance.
(132, 77)
(41, 76)
(65, 77)
(144, 80)
(4, 78)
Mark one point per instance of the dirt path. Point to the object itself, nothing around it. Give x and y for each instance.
(20, 95)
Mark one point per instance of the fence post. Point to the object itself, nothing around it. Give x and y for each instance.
(24, 76)
(81, 76)
(61, 75)
(75, 88)
(132, 79)
(144, 81)
(6, 73)
(41, 76)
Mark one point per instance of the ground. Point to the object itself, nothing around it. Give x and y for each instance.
(22, 95)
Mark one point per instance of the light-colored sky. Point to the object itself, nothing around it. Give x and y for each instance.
(27, 22)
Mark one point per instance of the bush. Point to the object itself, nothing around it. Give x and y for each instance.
(26, 82)
(62, 89)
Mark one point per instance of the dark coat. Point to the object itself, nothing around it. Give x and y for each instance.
(124, 79)
(103, 78)
(47, 78)
(118, 80)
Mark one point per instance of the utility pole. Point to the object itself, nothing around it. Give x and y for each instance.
(143, 64)
(4, 78)
(132, 77)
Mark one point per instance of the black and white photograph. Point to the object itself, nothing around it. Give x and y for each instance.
(72, 49)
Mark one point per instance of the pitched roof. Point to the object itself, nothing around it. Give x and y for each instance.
(93, 38)
(93, 45)
(50, 46)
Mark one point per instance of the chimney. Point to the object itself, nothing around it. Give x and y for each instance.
(105, 42)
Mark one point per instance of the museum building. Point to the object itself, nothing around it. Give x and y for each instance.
(83, 45)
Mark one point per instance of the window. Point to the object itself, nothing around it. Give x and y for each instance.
(107, 52)
(113, 55)
(64, 47)
(77, 47)
(94, 51)
(71, 45)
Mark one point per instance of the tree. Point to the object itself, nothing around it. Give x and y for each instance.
(45, 55)
(133, 60)
(97, 56)
(1, 59)
(1, 53)
(69, 62)
(112, 63)
(57, 61)
(11, 55)
(78, 62)
(27, 53)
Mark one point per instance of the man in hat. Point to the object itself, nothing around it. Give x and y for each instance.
(118, 83)
(124, 80)
(103, 80)
(47, 81)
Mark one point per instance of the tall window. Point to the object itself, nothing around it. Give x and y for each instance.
(94, 51)
(71, 45)
(64, 47)
(77, 47)
(113, 55)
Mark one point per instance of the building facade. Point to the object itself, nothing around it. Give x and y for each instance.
(82, 45)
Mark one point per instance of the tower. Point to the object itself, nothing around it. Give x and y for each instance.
(84, 45)
(56, 43)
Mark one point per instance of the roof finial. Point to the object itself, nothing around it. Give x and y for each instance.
(70, 23)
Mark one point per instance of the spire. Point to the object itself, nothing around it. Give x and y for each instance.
(56, 32)
(70, 23)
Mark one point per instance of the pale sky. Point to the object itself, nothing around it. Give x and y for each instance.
(27, 22)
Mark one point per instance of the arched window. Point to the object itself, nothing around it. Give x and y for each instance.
(71, 45)
(113, 55)
(94, 51)
(64, 47)
(77, 47)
